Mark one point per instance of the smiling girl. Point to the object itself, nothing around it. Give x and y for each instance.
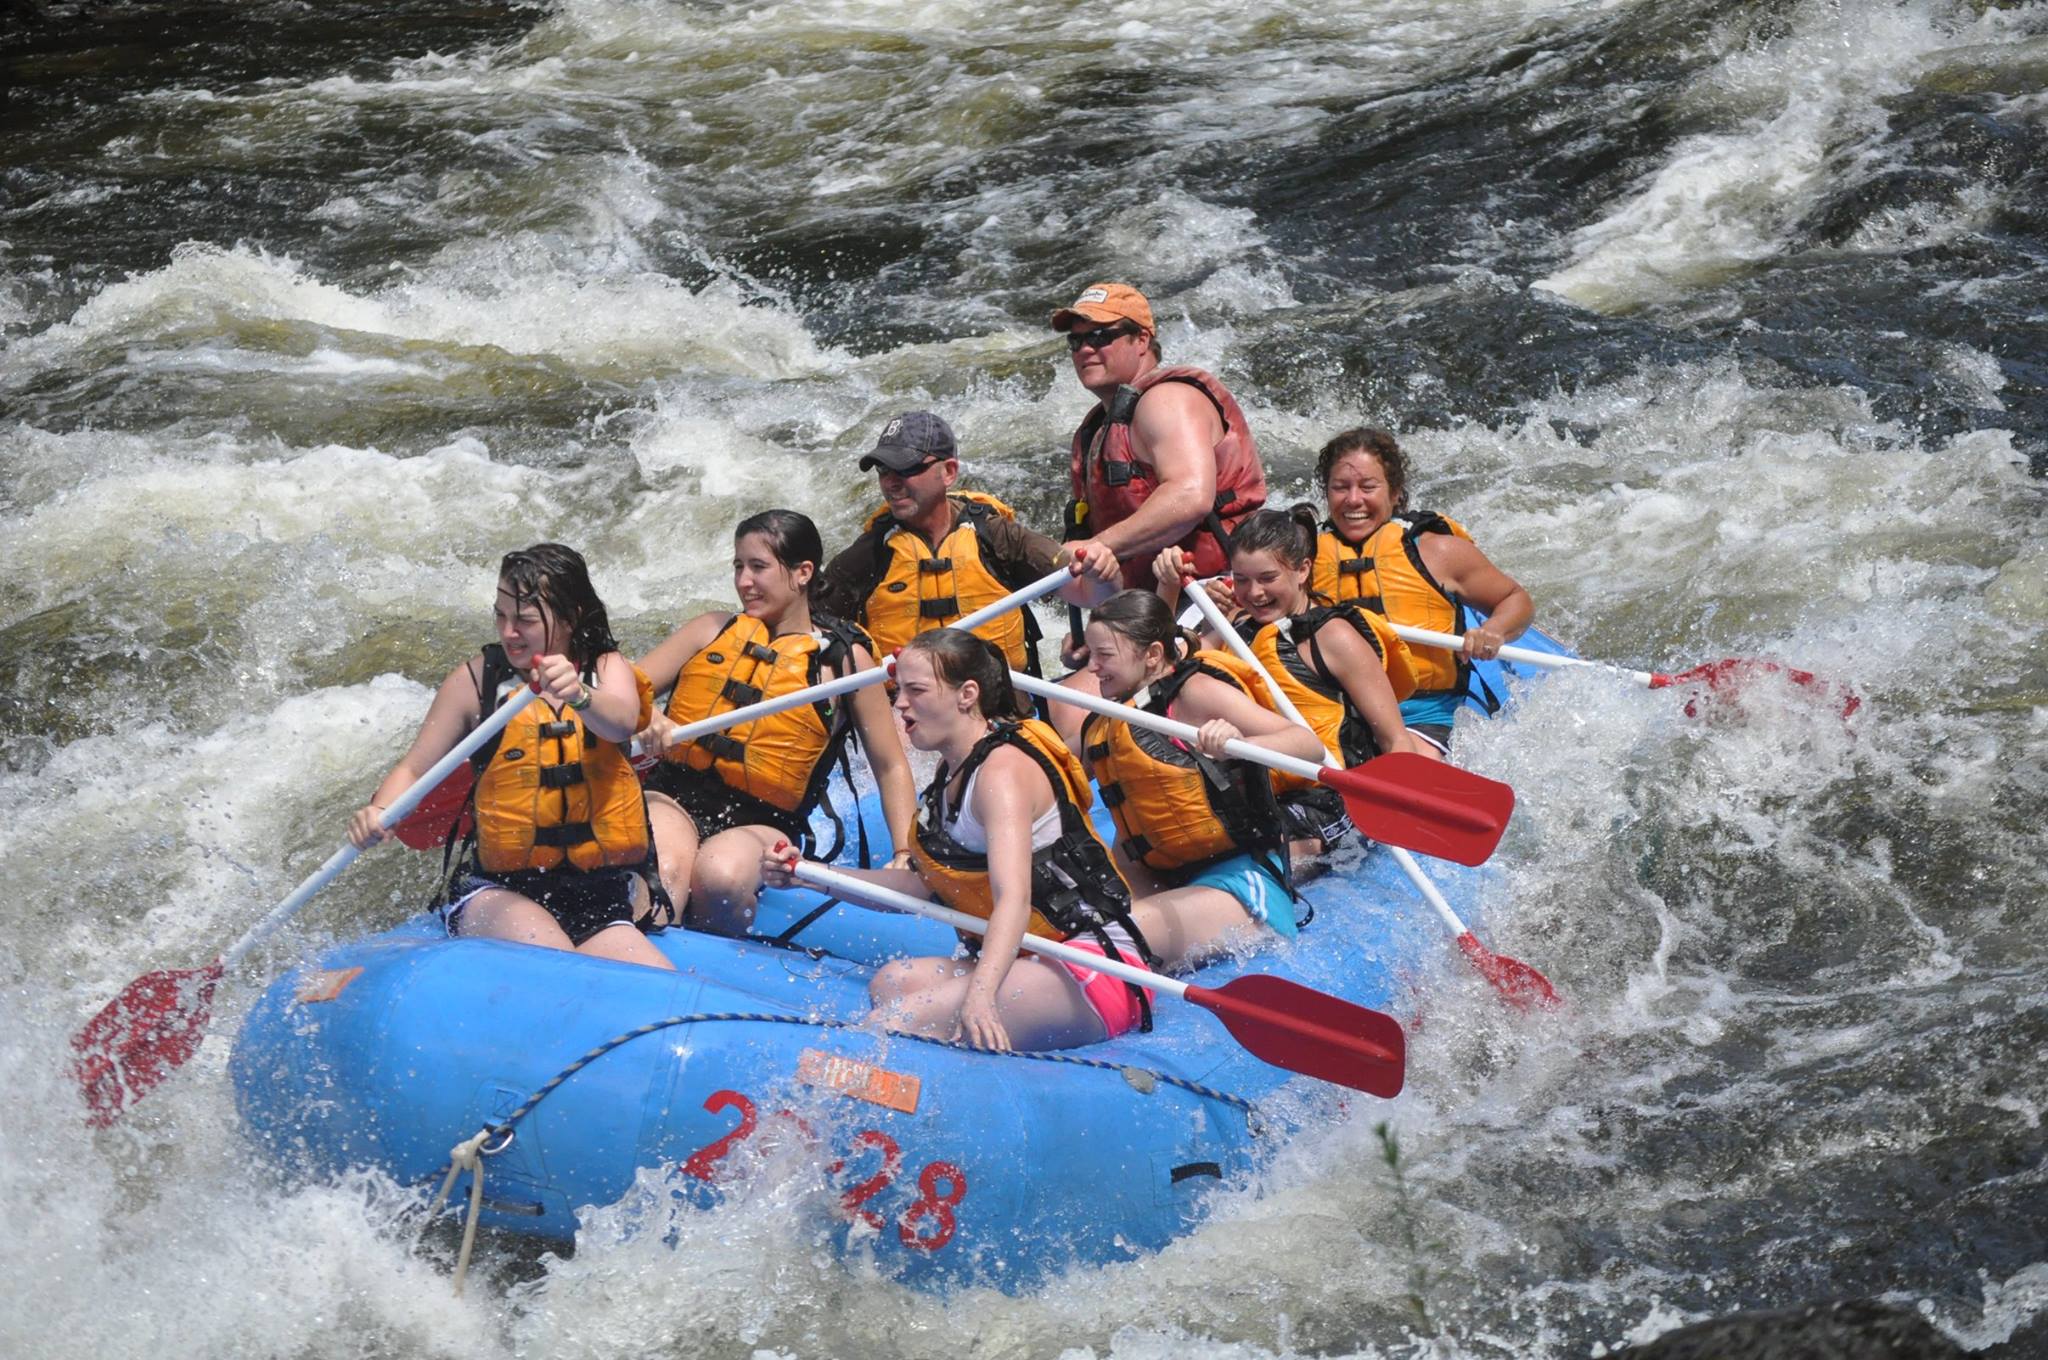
(718, 802)
(560, 850)
(1415, 567)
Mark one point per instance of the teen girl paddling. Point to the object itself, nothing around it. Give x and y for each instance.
(560, 850)
(1198, 834)
(1415, 567)
(1002, 834)
(718, 802)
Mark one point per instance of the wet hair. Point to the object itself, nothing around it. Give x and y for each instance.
(1290, 535)
(959, 656)
(792, 538)
(1378, 443)
(554, 580)
(1144, 618)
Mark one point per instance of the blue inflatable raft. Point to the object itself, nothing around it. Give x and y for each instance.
(947, 1164)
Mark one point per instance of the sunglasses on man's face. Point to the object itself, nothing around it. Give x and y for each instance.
(907, 473)
(1098, 338)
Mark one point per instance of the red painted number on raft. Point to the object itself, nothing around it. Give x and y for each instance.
(856, 1196)
(703, 1163)
(931, 1202)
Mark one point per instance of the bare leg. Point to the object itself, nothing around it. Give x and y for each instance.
(675, 845)
(725, 884)
(625, 944)
(501, 914)
(1183, 925)
(1039, 1002)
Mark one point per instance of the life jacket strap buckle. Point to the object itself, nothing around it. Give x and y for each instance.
(741, 695)
(558, 729)
(754, 651)
(561, 776)
(934, 566)
(724, 746)
(943, 608)
(563, 836)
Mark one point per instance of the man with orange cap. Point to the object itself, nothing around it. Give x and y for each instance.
(1165, 458)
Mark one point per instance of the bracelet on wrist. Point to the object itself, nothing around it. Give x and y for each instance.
(585, 700)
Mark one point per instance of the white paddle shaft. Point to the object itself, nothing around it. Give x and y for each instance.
(1236, 642)
(846, 885)
(1138, 717)
(397, 812)
(1521, 656)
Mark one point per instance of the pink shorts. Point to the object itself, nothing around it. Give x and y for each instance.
(1110, 998)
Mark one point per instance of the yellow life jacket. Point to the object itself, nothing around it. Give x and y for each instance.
(1075, 887)
(1174, 808)
(782, 759)
(1315, 690)
(917, 589)
(548, 792)
(1386, 573)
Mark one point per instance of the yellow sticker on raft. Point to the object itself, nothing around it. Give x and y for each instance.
(325, 984)
(862, 1081)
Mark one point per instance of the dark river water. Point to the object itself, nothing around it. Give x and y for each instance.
(1721, 324)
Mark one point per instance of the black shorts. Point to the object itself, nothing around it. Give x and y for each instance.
(1437, 734)
(1316, 814)
(583, 902)
(712, 805)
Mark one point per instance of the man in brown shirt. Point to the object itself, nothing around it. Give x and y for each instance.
(933, 554)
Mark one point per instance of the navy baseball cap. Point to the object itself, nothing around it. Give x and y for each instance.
(910, 439)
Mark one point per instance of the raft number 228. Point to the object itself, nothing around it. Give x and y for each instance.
(912, 1229)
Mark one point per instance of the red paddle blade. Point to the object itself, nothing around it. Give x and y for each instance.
(1518, 983)
(140, 1037)
(1427, 805)
(1727, 677)
(1311, 1032)
(427, 826)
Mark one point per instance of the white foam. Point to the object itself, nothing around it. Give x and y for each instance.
(640, 320)
(1809, 118)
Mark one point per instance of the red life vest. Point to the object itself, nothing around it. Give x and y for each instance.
(1110, 483)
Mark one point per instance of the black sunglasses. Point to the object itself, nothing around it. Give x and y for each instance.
(1098, 338)
(926, 466)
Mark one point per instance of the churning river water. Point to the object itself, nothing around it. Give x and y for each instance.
(1721, 323)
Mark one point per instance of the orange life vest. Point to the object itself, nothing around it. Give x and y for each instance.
(548, 792)
(1174, 808)
(782, 759)
(1109, 483)
(1386, 573)
(919, 588)
(1315, 690)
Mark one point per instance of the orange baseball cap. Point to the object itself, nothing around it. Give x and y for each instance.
(1105, 304)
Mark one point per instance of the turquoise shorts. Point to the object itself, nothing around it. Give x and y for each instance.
(1431, 710)
(1253, 885)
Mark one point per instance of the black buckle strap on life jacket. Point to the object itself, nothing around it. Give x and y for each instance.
(561, 776)
(724, 746)
(1354, 566)
(933, 566)
(559, 728)
(739, 694)
(756, 651)
(945, 607)
(1098, 751)
(1134, 847)
(1113, 796)
(563, 836)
